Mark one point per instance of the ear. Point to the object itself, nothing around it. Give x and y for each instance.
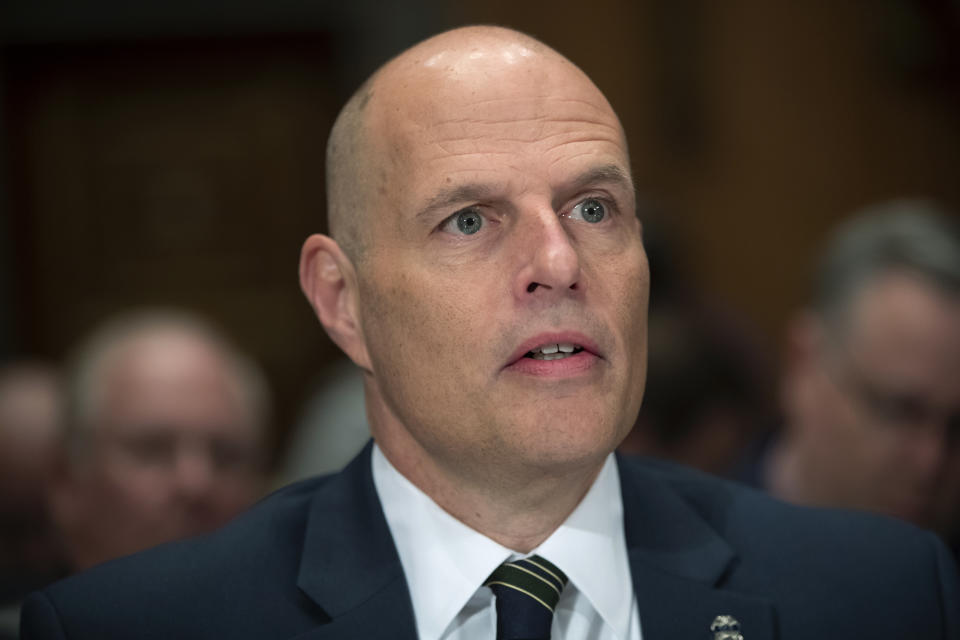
(329, 280)
(65, 498)
(804, 340)
(802, 362)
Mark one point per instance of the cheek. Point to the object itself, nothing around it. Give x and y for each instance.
(419, 332)
(235, 487)
(630, 301)
(132, 487)
(636, 316)
(826, 409)
(445, 309)
(232, 498)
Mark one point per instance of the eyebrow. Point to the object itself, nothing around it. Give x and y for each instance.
(448, 196)
(608, 173)
(474, 192)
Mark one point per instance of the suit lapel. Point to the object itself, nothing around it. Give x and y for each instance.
(678, 562)
(350, 566)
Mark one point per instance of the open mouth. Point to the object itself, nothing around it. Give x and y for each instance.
(555, 351)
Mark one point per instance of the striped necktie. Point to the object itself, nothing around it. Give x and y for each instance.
(527, 593)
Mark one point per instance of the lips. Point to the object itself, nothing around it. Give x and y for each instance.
(554, 346)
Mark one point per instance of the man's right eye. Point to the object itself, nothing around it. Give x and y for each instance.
(466, 221)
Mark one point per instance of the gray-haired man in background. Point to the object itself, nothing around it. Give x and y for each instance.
(165, 424)
(871, 392)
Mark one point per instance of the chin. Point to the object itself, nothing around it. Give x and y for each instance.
(570, 446)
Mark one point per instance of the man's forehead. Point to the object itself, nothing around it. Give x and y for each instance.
(480, 106)
(465, 60)
(461, 49)
(472, 66)
(472, 103)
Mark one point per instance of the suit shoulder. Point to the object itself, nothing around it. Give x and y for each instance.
(256, 556)
(779, 543)
(826, 572)
(740, 511)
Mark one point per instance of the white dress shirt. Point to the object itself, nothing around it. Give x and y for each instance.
(446, 563)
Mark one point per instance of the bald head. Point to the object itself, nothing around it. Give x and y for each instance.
(373, 132)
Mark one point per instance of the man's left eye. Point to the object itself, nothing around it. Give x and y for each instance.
(589, 210)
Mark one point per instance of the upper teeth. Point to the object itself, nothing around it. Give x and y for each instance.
(555, 350)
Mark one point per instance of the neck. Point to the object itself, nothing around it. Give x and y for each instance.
(788, 473)
(515, 503)
(518, 513)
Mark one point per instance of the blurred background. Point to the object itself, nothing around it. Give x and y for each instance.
(171, 152)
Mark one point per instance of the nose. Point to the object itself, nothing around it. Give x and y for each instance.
(928, 450)
(552, 262)
(194, 473)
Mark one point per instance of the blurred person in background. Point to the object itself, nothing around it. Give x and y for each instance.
(704, 399)
(332, 427)
(707, 392)
(165, 425)
(29, 427)
(871, 387)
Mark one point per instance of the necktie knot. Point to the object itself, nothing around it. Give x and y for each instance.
(527, 593)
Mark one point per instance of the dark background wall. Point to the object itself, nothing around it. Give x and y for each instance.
(172, 152)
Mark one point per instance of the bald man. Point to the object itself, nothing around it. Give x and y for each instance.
(486, 272)
(165, 423)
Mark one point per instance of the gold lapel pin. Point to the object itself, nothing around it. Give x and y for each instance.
(726, 628)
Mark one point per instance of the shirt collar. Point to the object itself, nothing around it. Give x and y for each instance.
(445, 561)
(591, 548)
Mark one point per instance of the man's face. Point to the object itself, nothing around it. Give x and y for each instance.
(888, 403)
(173, 454)
(505, 222)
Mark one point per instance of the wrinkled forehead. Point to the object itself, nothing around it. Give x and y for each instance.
(501, 111)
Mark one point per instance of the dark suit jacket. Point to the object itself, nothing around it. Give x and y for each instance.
(316, 561)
